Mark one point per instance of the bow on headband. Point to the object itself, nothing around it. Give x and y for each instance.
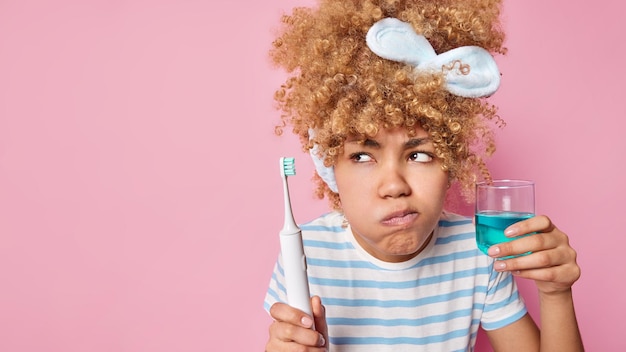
(395, 40)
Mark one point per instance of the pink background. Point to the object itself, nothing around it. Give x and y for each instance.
(140, 196)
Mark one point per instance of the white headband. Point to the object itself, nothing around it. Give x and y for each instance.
(395, 40)
(326, 173)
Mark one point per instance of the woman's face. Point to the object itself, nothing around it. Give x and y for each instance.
(392, 189)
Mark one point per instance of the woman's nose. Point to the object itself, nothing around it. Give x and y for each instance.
(393, 182)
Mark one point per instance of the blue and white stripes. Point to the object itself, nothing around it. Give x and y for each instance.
(436, 301)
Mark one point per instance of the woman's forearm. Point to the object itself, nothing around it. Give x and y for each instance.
(559, 327)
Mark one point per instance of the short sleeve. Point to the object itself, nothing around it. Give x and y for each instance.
(503, 304)
(276, 291)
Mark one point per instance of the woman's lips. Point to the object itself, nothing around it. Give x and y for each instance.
(400, 218)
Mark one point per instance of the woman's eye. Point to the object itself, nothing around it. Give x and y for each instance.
(421, 157)
(360, 157)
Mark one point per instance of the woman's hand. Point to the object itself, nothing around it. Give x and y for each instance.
(552, 263)
(291, 329)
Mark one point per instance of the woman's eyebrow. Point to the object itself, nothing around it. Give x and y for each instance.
(416, 142)
(371, 143)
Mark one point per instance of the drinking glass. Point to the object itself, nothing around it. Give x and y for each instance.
(499, 204)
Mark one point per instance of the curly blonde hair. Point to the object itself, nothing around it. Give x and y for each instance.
(339, 88)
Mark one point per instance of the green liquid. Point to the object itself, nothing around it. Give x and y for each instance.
(490, 227)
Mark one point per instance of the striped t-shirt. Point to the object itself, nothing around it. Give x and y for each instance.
(433, 302)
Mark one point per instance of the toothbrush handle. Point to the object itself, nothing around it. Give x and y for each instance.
(294, 264)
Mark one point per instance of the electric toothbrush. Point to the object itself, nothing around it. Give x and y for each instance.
(294, 260)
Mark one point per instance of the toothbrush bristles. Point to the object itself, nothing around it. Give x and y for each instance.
(289, 166)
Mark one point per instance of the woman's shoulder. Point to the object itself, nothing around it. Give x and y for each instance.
(332, 219)
(454, 219)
